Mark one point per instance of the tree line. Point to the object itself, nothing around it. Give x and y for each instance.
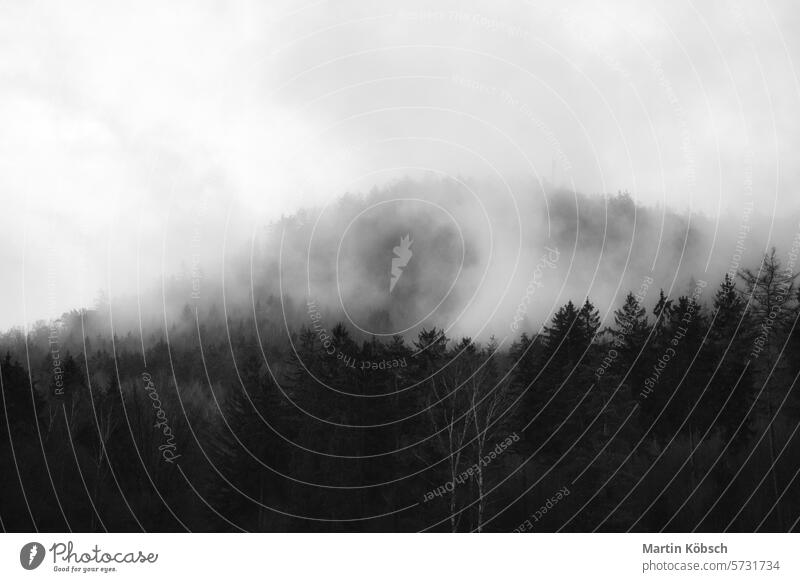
(673, 418)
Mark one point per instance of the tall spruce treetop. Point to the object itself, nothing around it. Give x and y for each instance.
(432, 347)
(664, 307)
(772, 289)
(631, 324)
(588, 321)
(728, 305)
(561, 325)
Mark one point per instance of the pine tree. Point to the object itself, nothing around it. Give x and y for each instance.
(588, 322)
(630, 333)
(771, 295)
(731, 391)
(559, 385)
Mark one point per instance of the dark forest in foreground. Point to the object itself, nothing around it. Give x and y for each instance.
(679, 418)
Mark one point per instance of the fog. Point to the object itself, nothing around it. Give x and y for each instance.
(148, 149)
(487, 259)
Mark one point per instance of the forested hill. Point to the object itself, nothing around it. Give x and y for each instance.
(676, 411)
(476, 247)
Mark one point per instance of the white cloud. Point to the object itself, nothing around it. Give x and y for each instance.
(115, 114)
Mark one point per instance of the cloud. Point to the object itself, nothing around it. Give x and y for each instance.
(118, 118)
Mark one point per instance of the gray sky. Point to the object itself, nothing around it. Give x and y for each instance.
(127, 127)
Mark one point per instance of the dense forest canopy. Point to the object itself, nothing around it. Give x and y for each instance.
(664, 401)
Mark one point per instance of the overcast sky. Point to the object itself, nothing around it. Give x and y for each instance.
(126, 127)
